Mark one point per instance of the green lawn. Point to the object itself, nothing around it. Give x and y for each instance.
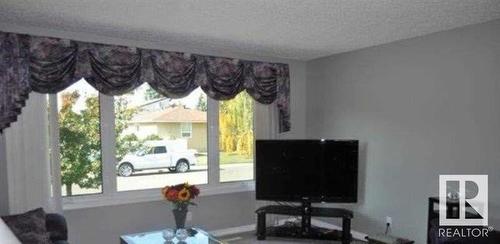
(226, 158)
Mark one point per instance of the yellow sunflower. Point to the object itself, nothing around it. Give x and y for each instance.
(184, 195)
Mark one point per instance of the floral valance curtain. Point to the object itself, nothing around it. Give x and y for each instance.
(49, 65)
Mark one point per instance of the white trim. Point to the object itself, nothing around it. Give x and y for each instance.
(55, 163)
(213, 141)
(248, 228)
(129, 197)
(108, 143)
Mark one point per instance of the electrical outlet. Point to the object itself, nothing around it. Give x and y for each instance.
(388, 220)
(189, 216)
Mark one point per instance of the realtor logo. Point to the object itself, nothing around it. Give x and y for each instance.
(471, 194)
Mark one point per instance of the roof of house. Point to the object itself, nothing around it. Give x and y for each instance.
(176, 114)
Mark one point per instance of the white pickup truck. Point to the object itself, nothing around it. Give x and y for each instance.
(158, 155)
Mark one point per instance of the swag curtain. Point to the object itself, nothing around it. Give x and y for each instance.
(49, 65)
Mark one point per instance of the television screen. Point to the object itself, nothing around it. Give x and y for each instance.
(312, 170)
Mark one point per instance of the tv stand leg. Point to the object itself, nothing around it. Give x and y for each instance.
(306, 225)
(346, 230)
(261, 226)
(306, 218)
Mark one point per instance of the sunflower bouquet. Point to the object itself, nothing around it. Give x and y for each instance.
(180, 195)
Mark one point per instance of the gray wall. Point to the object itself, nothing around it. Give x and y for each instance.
(420, 108)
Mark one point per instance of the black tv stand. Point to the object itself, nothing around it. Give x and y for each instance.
(306, 211)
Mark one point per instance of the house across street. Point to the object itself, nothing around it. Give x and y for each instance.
(171, 123)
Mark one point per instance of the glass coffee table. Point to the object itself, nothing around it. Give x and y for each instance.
(196, 236)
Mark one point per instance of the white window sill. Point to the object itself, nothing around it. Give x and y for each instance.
(150, 195)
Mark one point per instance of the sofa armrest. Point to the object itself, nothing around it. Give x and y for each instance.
(56, 226)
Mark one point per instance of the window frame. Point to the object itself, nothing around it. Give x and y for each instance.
(110, 194)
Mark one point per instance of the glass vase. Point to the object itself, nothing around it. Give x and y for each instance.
(180, 217)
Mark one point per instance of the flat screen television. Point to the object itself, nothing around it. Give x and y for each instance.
(307, 170)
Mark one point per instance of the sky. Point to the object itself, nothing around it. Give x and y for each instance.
(134, 100)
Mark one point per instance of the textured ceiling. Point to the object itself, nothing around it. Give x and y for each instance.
(274, 28)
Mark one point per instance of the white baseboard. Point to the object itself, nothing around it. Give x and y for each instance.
(248, 228)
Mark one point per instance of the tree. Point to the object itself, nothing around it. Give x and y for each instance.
(125, 143)
(236, 125)
(80, 145)
(202, 103)
(151, 94)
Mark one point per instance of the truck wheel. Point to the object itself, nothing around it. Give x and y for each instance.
(171, 169)
(125, 169)
(182, 166)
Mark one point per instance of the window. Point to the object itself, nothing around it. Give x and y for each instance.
(145, 119)
(186, 130)
(236, 140)
(159, 150)
(148, 142)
